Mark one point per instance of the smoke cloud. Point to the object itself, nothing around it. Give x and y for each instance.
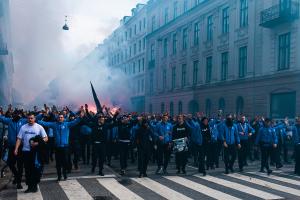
(47, 59)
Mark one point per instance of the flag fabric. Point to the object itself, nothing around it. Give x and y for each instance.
(97, 102)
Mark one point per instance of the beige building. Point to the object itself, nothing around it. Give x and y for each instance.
(239, 56)
(6, 61)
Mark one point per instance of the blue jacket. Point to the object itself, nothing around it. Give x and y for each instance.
(61, 131)
(296, 134)
(229, 134)
(165, 130)
(266, 136)
(244, 130)
(196, 136)
(13, 129)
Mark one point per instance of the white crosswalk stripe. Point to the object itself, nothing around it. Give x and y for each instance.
(278, 178)
(245, 185)
(74, 190)
(201, 188)
(29, 196)
(118, 190)
(267, 184)
(161, 189)
(240, 187)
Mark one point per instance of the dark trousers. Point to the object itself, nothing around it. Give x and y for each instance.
(181, 159)
(229, 156)
(51, 146)
(61, 157)
(32, 175)
(243, 153)
(297, 159)
(143, 160)
(85, 148)
(163, 155)
(266, 152)
(74, 149)
(98, 155)
(219, 151)
(207, 150)
(200, 156)
(108, 151)
(12, 161)
(123, 147)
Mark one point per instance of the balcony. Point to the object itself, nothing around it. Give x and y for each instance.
(279, 14)
(151, 64)
(3, 49)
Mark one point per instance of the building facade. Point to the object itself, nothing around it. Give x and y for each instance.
(238, 56)
(126, 51)
(6, 61)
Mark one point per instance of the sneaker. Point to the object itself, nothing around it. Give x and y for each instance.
(159, 170)
(269, 172)
(278, 166)
(145, 175)
(183, 171)
(226, 171)
(122, 173)
(58, 179)
(101, 173)
(140, 175)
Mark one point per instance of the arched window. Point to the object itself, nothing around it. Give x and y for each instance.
(222, 104)
(208, 107)
(162, 107)
(171, 108)
(239, 105)
(180, 107)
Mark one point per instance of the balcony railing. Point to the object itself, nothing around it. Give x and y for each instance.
(279, 14)
(3, 49)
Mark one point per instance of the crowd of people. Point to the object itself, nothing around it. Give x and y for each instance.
(33, 138)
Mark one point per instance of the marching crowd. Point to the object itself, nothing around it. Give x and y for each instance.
(33, 138)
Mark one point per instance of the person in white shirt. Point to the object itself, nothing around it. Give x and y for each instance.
(26, 133)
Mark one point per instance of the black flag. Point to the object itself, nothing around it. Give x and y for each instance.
(97, 102)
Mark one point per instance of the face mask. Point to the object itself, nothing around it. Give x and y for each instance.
(229, 121)
(16, 118)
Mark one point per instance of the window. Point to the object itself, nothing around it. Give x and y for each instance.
(130, 32)
(171, 108)
(196, 33)
(144, 43)
(224, 66)
(139, 65)
(150, 108)
(284, 51)
(143, 64)
(134, 49)
(140, 46)
(144, 23)
(143, 85)
(135, 29)
(152, 52)
(140, 25)
(166, 15)
(151, 83)
(133, 67)
(209, 28)
(185, 6)
(165, 47)
(173, 77)
(164, 79)
(225, 20)
(208, 107)
(288, 99)
(243, 13)
(174, 43)
(184, 39)
(175, 9)
(208, 69)
(239, 105)
(222, 104)
(162, 107)
(183, 75)
(242, 62)
(153, 23)
(180, 107)
(195, 72)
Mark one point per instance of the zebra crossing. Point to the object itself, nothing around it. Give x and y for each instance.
(250, 185)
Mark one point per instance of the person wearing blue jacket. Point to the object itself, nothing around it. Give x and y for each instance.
(296, 141)
(267, 140)
(14, 125)
(245, 132)
(197, 141)
(163, 135)
(61, 130)
(231, 140)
